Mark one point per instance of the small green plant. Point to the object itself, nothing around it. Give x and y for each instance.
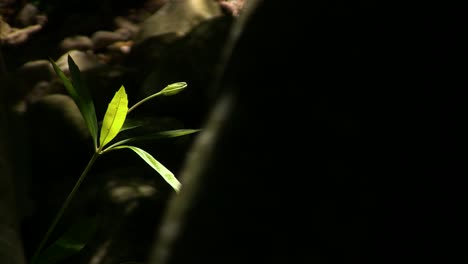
(113, 123)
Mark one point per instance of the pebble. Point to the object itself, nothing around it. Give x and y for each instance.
(76, 43)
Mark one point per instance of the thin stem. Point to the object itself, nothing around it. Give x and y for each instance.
(64, 207)
(111, 147)
(142, 101)
(168, 90)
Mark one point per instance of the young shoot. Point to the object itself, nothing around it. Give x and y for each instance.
(112, 124)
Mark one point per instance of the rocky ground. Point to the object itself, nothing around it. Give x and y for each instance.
(143, 45)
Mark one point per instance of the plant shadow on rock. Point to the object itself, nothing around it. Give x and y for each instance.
(59, 150)
(62, 128)
(194, 58)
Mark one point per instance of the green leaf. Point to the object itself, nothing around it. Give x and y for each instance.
(167, 175)
(174, 88)
(158, 135)
(171, 133)
(88, 112)
(131, 124)
(114, 117)
(72, 242)
(79, 93)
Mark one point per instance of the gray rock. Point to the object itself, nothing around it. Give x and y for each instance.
(23, 81)
(37, 70)
(27, 15)
(55, 111)
(5, 28)
(84, 60)
(76, 43)
(102, 39)
(126, 27)
(192, 59)
(129, 201)
(18, 36)
(102, 80)
(154, 5)
(178, 17)
(39, 90)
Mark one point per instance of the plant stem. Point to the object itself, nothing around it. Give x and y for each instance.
(142, 101)
(64, 207)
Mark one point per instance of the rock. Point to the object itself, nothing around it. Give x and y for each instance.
(123, 47)
(29, 20)
(82, 43)
(37, 70)
(84, 60)
(232, 7)
(56, 127)
(181, 42)
(192, 59)
(126, 27)
(124, 33)
(102, 39)
(39, 90)
(23, 82)
(58, 114)
(4, 28)
(27, 15)
(19, 36)
(154, 5)
(178, 17)
(129, 201)
(102, 80)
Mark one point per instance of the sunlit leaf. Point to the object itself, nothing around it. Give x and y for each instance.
(173, 88)
(79, 93)
(114, 117)
(158, 135)
(72, 242)
(167, 175)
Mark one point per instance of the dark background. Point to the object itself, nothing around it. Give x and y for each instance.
(343, 144)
